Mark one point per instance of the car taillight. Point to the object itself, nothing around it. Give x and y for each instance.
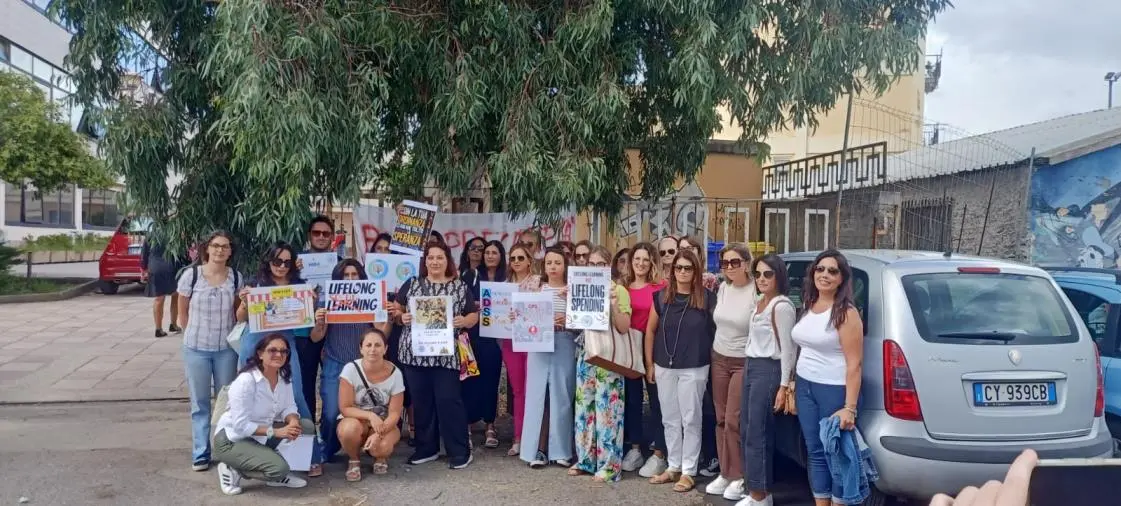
(901, 400)
(1099, 398)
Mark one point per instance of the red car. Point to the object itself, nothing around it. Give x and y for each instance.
(120, 262)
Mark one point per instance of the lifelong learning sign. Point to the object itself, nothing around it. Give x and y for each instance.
(358, 301)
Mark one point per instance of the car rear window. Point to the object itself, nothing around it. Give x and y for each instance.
(984, 308)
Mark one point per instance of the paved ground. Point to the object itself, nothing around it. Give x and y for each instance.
(137, 453)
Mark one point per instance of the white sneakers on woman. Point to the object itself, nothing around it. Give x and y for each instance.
(748, 501)
(229, 479)
(633, 460)
(731, 490)
(654, 466)
(290, 481)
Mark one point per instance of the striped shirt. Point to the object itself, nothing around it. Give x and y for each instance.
(210, 314)
(560, 301)
(344, 340)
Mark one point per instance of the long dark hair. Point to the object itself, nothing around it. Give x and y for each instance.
(500, 269)
(782, 279)
(623, 253)
(464, 256)
(264, 274)
(844, 298)
(337, 273)
(254, 360)
(556, 250)
(449, 271)
(696, 287)
(384, 236)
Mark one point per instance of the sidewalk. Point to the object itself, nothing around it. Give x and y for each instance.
(91, 348)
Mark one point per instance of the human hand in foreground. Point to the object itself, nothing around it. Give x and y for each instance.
(1012, 492)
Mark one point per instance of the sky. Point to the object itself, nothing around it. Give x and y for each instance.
(1010, 62)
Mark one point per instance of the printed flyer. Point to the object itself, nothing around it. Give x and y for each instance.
(589, 296)
(281, 307)
(317, 268)
(394, 270)
(359, 301)
(433, 334)
(533, 321)
(496, 309)
(414, 223)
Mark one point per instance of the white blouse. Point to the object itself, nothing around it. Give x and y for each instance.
(253, 403)
(764, 342)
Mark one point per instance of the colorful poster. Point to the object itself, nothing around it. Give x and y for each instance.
(533, 321)
(433, 334)
(357, 301)
(414, 223)
(281, 307)
(497, 310)
(391, 268)
(589, 296)
(317, 268)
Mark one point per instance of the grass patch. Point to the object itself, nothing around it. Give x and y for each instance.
(13, 285)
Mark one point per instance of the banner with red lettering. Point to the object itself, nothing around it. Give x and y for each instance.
(458, 228)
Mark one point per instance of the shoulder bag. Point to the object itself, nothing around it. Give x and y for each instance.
(790, 405)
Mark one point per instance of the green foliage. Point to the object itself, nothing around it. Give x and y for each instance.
(36, 147)
(273, 103)
(9, 257)
(89, 242)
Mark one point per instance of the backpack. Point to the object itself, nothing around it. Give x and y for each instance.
(195, 277)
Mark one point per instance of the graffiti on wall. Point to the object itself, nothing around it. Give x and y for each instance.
(1075, 212)
(687, 214)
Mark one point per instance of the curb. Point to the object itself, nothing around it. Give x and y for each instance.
(93, 401)
(87, 285)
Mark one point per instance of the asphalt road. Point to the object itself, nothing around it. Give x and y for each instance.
(137, 454)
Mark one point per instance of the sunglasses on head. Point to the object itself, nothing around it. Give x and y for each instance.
(321, 233)
(833, 271)
(683, 268)
(734, 263)
(765, 274)
(668, 252)
(280, 262)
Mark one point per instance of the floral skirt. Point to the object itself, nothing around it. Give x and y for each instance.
(599, 420)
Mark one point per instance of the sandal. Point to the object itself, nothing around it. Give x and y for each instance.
(354, 470)
(315, 471)
(515, 450)
(576, 471)
(666, 477)
(492, 439)
(685, 484)
(381, 467)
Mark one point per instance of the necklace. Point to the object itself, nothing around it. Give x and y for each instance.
(677, 336)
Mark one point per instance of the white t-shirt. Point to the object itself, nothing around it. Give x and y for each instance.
(734, 307)
(377, 398)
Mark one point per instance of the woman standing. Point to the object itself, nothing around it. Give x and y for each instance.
(644, 278)
(472, 256)
(581, 253)
(381, 244)
(371, 397)
(208, 303)
(620, 265)
(521, 272)
(157, 271)
(261, 395)
(434, 380)
(550, 390)
(770, 358)
(688, 242)
(735, 303)
(678, 352)
(599, 396)
(710, 463)
(831, 338)
(480, 393)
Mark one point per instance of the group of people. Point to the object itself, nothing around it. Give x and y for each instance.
(734, 346)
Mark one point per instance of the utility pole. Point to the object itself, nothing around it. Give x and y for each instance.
(844, 165)
(1110, 78)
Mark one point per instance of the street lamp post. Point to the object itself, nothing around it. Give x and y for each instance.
(1111, 77)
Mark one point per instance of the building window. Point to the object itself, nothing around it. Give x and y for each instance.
(27, 206)
(99, 209)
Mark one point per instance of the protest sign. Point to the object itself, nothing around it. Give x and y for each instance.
(533, 321)
(317, 268)
(281, 307)
(589, 295)
(394, 270)
(432, 331)
(357, 301)
(414, 223)
(494, 298)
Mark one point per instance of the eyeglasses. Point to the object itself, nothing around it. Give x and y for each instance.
(597, 264)
(280, 262)
(321, 233)
(765, 274)
(683, 268)
(668, 252)
(517, 258)
(582, 255)
(221, 247)
(734, 263)
(277, 351)
(689, 248)
(833, 271)
(476, 248)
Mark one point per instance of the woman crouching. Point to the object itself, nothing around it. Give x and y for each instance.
(371, 398)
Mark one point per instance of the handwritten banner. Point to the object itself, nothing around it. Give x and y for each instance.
(589, 292)
(281, 307)
(394, 270)
(414, 223)
(497, 307)
(533, 321)
(358, 301)
(432, 332)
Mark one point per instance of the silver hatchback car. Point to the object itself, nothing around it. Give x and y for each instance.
(967, 361)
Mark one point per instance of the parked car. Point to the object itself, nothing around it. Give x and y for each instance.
(967, 361)
(1095, 293)
(120, 262)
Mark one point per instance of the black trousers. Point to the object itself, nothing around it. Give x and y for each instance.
(439, 411)
(638, 429)
(480, 394)
(708, 427)
(311, 354)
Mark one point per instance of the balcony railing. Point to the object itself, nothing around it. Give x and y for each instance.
(821, 174)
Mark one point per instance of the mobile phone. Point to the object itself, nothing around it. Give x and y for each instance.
(1075, 482)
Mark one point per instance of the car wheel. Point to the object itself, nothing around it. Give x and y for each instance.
(877, 498)
(108, 287)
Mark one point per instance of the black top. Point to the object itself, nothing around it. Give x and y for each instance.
(683, 339)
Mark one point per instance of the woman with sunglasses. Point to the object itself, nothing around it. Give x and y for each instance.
(735, 303)
(278, 268)
(688, 242)
(678, 352)
(830, 336)
(581, 252)
(710, 462)
(480, 393)
(644, 278)
(520, 272)
(472, 256)
(770, 358)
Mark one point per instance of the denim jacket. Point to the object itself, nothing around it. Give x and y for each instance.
(850, 461)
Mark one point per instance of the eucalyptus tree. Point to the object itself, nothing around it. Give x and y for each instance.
(272, 103)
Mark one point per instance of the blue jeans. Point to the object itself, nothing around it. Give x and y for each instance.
(249, 343)
(815, 402)
(207, 372)
(329, 396)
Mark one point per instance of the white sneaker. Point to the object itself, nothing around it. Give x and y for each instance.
(734, 491)
(633, 460)
(717, 486)
(654, 466)
(290, 481)
(748, 501)
(229, 479)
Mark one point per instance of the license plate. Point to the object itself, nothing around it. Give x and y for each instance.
(134, 250)
(1014, 394)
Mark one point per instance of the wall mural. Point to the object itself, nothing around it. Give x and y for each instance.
(689, 216)
(1075, 216)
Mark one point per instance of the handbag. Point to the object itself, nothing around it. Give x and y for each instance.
(468, 366)
(789, 404)
(234, 337)
(616, 352)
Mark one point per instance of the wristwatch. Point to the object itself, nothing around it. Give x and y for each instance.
(269, 433)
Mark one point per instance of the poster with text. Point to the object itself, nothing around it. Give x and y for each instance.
(495, 319)
(391, 268)
(433, 334)
(358, 301)
(281, 307)
(317, 268)
(533, 321)
(589, 296)
(414, 223)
